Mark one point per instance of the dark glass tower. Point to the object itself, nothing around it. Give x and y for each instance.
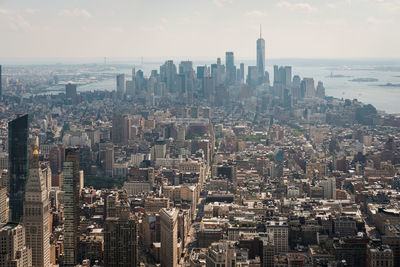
(18, 133)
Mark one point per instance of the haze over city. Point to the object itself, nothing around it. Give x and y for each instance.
(199, 29)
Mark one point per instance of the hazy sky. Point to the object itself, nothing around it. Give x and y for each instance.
(199, 28)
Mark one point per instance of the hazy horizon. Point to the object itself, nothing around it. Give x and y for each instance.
(194, 59)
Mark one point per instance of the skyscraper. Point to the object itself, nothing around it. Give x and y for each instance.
(121, 239)
(280, 232)
(261, 57)
(229, 61)
(230, 68)
(320, 92)
(71, 207)
(18, 132)
(168, 75)
(121, 129)
(252, 76)
(169, 237)
(14, 252)
(121, 89)
(288, 77)
(242, 71)
(277, 76)
(185, 67)
(308, 88)
(117, 129)
(70, 92)
(36, 214)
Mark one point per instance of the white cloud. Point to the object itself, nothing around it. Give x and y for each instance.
(31, 10)
(222, 3)
(14, 21)
(255, 14)
(331, 5)
(19, 23)
(164, 20)
(76, 12)
(296, 6)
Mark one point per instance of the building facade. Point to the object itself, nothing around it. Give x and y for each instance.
(18, 132)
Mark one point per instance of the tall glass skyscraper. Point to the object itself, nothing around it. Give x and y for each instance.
(18, 133)
(71, 207)
(260, 57)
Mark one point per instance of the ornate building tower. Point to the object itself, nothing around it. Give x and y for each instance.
(36, 213)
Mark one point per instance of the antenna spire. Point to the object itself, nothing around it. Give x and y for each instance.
(260, 31)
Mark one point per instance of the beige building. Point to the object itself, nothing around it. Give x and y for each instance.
(185, 192)
(3, 205)
(36, 214)
(14, 252)
(169, 237)
(380, 256)
(279, 231)
(154, 204)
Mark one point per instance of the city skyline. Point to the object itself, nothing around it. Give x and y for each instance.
(204, 29)
(168, 134)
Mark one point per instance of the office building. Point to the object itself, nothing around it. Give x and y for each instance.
(109, 160)
(118, 129)
(130, 88)
(279, 231)
(18, 132)
(14, 252)
(71, 207)
(201, 72)
(168, 75)
(169, 237)
(121, 129)
(221, 253)
(229, 61)
(308, 88)
(379, 256)
(287, 81)
(185, 67)
(241, 72)
(121, 89)
(283, 76)
(268, 251)
(252, 76)
(320, 92)
(260, 57)
(352, 249)
(36, 214)
(70, 93)
(121, 239)
(230, 68)
(329, 186)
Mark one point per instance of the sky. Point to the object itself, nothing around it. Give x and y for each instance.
(199, 29)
